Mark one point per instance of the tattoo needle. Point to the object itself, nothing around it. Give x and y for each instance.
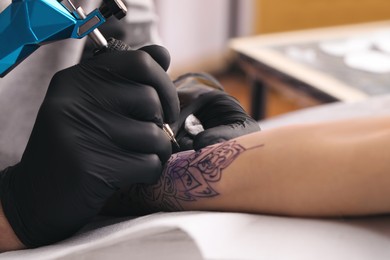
(167, 129)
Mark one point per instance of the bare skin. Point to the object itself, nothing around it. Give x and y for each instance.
(319, 170)
(8, 240)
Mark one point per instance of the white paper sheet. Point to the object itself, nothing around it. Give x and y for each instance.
(343, 47)
(369, 61)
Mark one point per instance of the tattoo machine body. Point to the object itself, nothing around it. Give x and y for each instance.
(25, 25)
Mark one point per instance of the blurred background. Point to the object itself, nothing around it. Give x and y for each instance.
(197, 33)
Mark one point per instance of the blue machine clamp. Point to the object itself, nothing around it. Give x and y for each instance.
(25, 25)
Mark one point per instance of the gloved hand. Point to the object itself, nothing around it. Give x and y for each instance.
(221, 115)
(98, 129)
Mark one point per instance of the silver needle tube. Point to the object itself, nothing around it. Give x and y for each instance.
(167, 129)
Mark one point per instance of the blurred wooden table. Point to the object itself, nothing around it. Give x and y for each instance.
(269, 67)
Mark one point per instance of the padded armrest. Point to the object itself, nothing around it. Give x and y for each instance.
(375, 106)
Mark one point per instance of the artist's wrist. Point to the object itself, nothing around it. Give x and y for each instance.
(8, 239)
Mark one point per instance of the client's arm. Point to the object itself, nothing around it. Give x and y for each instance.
(328, 169)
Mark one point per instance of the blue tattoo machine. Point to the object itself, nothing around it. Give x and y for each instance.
(25, 25)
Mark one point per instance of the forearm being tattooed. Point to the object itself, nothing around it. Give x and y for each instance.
(188, 177)
(327, 169)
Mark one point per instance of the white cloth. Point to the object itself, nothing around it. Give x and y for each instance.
(225, 236)
(192, 125)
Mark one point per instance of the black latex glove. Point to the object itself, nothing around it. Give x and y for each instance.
(221, 115)
(98, 129)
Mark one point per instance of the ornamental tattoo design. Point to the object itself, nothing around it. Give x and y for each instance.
(187, 177)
